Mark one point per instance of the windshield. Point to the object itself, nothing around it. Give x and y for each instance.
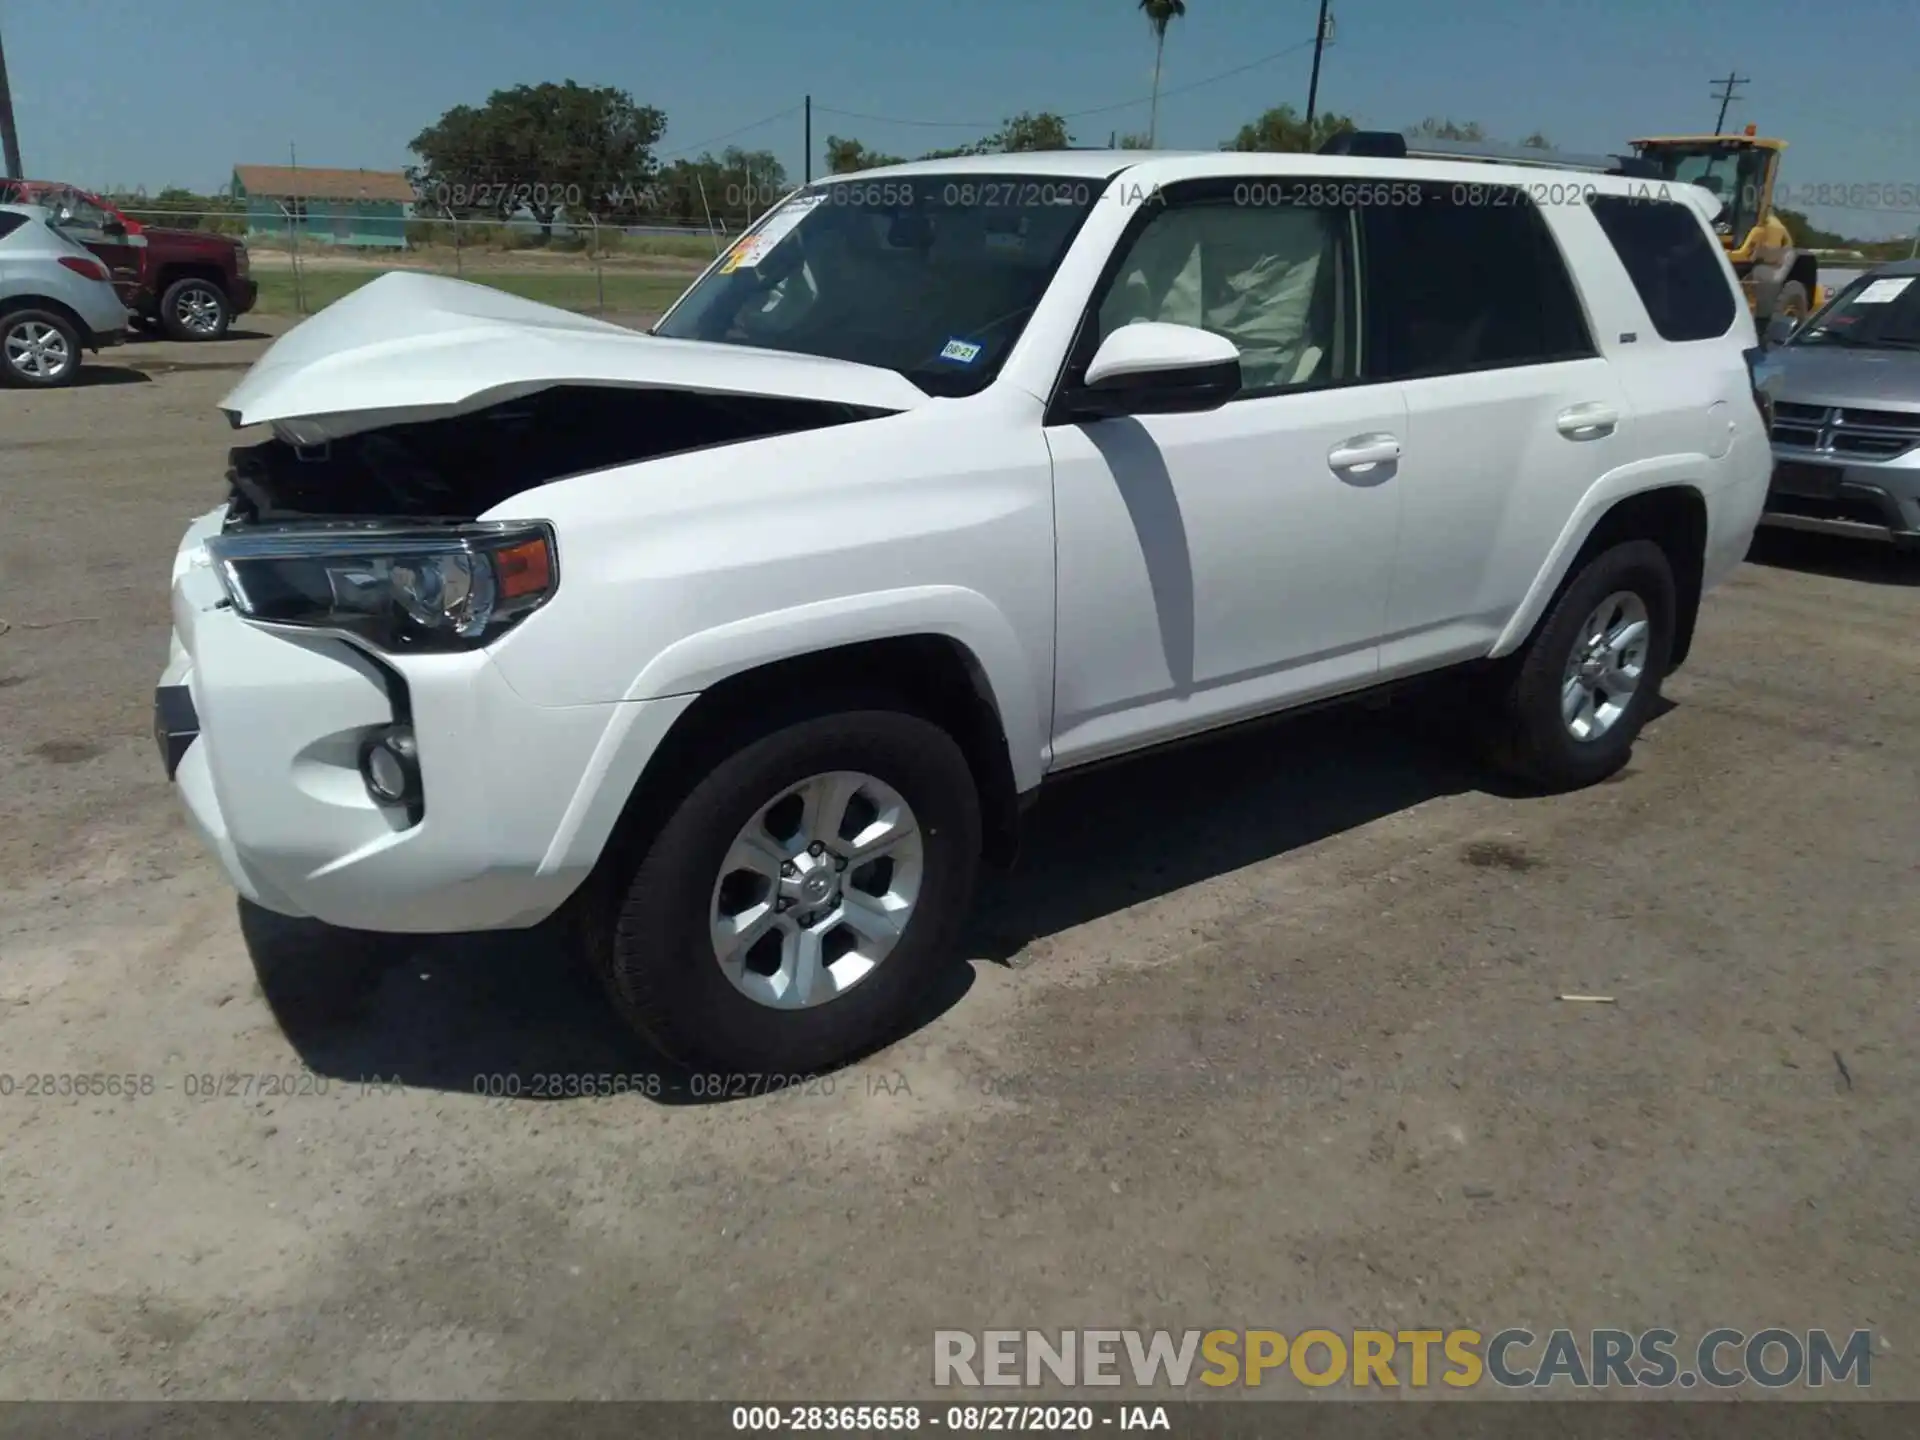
(1881, 314)
(933, 276)
(1735, 172)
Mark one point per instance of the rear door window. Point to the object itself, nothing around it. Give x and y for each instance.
(1468, 278)
(1673, 262)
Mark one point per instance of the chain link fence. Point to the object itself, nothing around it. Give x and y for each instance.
(309, 256)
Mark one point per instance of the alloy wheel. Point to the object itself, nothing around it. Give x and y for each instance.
(198, 309)
(1607, 666)
(38, 351)
(816, 890)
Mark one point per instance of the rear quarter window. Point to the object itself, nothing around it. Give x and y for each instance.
(1468, 278)
(10, 222)
(1673, 262)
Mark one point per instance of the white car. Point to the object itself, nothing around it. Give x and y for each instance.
(741, 642)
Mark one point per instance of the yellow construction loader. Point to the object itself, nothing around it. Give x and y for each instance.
(1779, 278)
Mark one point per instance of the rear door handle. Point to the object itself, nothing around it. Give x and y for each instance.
(1587, 422)
(1375, 449)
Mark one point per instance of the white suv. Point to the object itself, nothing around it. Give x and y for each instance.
(742, 642)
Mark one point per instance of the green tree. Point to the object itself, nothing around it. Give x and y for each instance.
(535, 146)
(1135, 141)
(1284, 129)
(731, 189)
(1160, 14)
(953, 152)
(1536, 141)
(845, 156)
(1807, 235)
(1045, 131)
(1435, 128)
(182, 209)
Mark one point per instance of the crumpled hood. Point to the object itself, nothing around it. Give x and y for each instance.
(410, 347)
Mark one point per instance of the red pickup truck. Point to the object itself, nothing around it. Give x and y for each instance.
(188, 284)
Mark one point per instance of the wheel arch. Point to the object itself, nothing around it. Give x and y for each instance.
(171, 272)
(1626, 506)
(932, 674)
(42, 302)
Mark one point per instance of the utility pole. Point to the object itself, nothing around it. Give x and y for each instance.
(1321, 30)
(9, 136)
(808, 166)
(1725, 96)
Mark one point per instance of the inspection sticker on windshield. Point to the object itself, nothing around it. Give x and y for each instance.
(754, 248)
(1882, 291)
(963, 352)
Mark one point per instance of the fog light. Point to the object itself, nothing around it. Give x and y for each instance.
(389, 763)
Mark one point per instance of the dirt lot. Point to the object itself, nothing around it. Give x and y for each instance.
(1262, 1034)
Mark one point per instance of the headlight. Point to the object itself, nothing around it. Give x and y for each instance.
(451, 589)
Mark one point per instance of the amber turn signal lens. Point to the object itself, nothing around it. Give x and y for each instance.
(524, 569)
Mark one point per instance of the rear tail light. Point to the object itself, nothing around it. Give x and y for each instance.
(92, 269)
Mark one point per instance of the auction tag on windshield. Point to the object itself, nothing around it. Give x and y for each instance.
(754, 248)
(1882, 291)
(962, 352)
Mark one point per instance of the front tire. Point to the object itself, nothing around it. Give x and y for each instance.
(801, 899)
(1567, 709)
(39, 349)
(195, 309)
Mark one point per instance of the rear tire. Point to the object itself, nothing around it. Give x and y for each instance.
(39, 349)
(657, 942)
(1564, 712)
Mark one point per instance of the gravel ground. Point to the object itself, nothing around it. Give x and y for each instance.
(1260, 1034)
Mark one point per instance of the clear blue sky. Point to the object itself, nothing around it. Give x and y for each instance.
(133, 92)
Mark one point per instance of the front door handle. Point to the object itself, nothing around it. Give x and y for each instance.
(1363, 450)
(1587, 422)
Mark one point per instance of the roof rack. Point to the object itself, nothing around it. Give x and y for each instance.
(1392, 145)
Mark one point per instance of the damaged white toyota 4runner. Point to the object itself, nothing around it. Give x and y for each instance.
(743, 641)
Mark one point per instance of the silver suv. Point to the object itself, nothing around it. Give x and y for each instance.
(55, 301)
(1846, 428)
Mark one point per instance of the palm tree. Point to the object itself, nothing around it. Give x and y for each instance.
(1160, 14)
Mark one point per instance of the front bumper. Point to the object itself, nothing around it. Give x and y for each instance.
(243, 294)
(261, 730)
(1811, 492)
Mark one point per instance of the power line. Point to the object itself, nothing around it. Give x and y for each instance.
(1070, 114)
(1725, 97)
(716, 139)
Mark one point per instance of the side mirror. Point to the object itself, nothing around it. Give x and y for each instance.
(1779, 330)
(1153, 368)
